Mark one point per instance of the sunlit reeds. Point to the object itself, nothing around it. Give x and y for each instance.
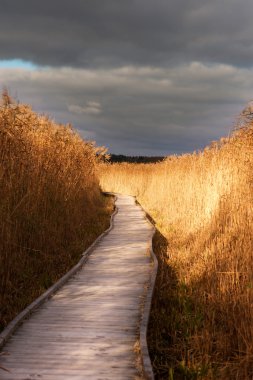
(202, 318)
(51, 207)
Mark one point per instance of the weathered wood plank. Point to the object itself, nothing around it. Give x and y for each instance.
(88, 329)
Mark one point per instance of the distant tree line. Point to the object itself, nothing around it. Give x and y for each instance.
(135, 159)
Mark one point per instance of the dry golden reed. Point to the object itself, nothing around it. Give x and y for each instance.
(202, 205)
(51, 206)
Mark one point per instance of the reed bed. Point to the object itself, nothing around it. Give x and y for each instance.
(202, 204)
(51, 206)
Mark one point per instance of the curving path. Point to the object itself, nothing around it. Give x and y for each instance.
(89, 328)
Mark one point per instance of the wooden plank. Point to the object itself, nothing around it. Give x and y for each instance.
(89, 327)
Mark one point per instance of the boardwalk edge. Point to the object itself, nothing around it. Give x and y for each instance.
(146, 362)
(16, 322)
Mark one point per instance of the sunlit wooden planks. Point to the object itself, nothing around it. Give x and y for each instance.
(88, 329)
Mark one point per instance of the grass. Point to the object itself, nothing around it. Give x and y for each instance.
(51, 205)
(202, 204)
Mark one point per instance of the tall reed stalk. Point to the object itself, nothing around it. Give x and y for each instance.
(202, 204)
(51, 206)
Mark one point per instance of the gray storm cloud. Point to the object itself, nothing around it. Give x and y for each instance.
(117, 32)
(140, 76)
(140, 109)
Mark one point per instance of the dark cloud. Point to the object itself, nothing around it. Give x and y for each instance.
(113, 33)
(139, 76)
(139, 110)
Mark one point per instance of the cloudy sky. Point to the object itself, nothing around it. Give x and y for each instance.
(142, 77)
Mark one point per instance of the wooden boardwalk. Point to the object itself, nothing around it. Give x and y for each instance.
(89, 328)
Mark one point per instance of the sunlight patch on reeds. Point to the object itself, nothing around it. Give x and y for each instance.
(51, 206)
(202, 318)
